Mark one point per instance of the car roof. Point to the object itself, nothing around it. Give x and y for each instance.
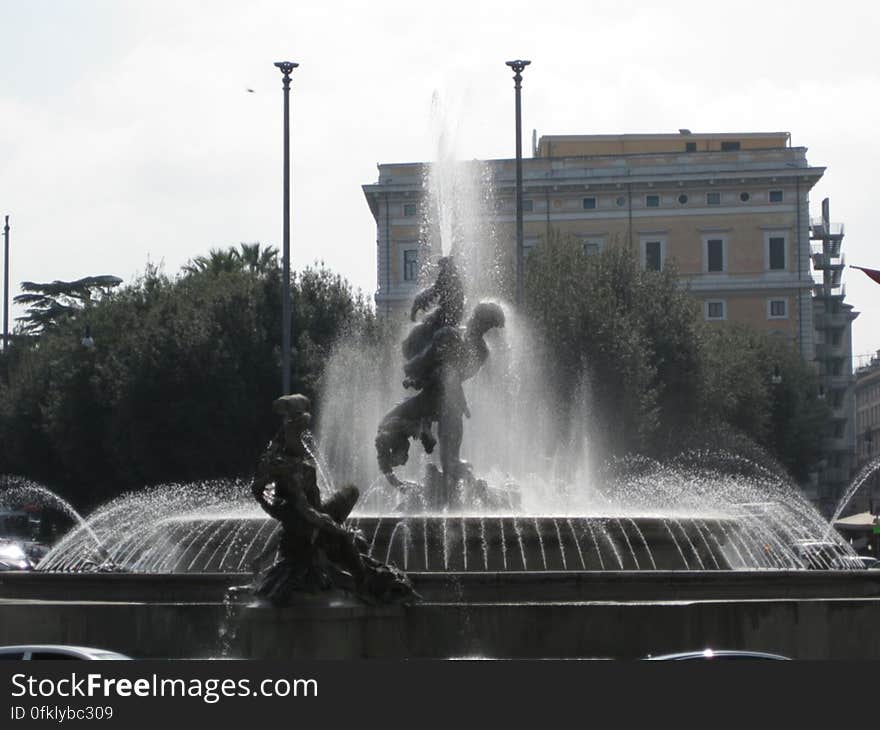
(62, 648)
(829, 543)
(718, 654)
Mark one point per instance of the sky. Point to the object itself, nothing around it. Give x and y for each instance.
(128, 134)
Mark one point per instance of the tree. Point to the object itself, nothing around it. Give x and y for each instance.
(631, 334)
(258, 260)
(49, 303)
(248, 256)
(179, 384)
(661, 380)
(759, 384)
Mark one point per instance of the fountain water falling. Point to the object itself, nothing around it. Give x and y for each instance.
(644, 516)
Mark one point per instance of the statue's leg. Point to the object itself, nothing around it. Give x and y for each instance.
(340, 505)
(342, 550)
(450, 433)
(426, 437)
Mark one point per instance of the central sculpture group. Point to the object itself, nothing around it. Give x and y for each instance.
(440, 356)
(316, 549)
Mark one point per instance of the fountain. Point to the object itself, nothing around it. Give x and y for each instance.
(648, 558)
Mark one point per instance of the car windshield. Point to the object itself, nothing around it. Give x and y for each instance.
(11, 551)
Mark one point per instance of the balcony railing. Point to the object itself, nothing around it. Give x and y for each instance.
(834, 262)
(831, 320)
(831, 248)
(818, 229)
(838, 291)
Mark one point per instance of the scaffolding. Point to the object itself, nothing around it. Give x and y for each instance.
(833, 319)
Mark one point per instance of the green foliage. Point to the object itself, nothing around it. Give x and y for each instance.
(760, 385)
(179, 383)
(250, 257)
(659, 378)
(632, 335)
(50, 303)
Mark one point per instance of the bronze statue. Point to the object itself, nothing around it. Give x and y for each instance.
(317, 550)
(440, 357)
(448, 291)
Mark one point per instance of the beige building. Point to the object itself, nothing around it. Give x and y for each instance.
(731, 210)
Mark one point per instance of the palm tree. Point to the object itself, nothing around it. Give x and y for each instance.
(249, 256)
(218, 261)
(257, 259)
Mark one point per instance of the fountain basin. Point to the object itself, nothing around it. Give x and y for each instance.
(624, 614)
(235, 541)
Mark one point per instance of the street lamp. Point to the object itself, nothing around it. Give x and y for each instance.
(518, 67)
(286, 69)
(6, 285)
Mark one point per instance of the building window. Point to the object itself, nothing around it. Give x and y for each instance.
(776, 253)
(682, 199)
(714, 255)
(690, 146)
(410, 209)
(410, 264)
(621, 201)
(591, 246)
(589, 203)
(528, 205)
(652, 201)
(744, 197)
(778, 309)
(715, 309)
(775, 196)
(713, 198)
(653, 255)
(529, 244)
(729, 146)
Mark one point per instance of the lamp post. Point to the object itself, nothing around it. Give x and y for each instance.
(286, 69)
(518, 67)
(6, 285)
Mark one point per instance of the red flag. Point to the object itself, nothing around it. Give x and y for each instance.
(873, 273)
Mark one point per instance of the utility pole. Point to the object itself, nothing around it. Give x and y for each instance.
(518, 67)
(286, 69)
(6, 285)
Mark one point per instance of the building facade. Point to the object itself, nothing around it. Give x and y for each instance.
(867, 398)
(731, 210)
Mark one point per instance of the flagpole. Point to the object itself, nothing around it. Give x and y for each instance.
(872, 274)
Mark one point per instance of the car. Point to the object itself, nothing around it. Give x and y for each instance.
(35, 652)
(855, 562)
(820, 554)
(724, 654)
(13, 556)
